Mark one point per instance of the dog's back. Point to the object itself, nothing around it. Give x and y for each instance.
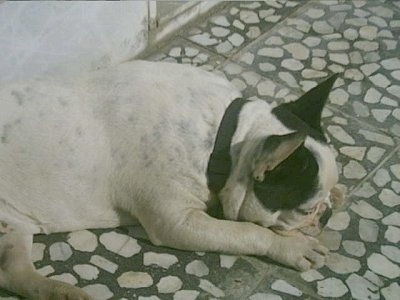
(65, 142)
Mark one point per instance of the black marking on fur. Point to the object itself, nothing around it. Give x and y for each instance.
(291, 121)
(5, 137)
(19, 97)
(325, 216)
(305, 113)
(79, 131)
(3, 224)
(291, 183)
(4, 258)
(62, 102)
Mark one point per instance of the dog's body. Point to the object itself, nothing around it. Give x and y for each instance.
(117, 139)
(133, 143)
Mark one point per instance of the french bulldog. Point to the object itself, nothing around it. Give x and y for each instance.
(157, 143)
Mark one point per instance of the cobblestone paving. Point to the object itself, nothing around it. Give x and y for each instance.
(275, 50)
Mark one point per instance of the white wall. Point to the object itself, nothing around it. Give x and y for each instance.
(53, 37)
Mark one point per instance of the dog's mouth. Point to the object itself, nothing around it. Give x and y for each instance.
(318, 222)
(335, 199)
(313, 224)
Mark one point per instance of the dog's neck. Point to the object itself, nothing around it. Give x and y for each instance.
(220, 161)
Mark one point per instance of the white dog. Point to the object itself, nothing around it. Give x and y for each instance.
(136, 140)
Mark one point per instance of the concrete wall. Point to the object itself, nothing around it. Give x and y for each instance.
(49, 38)
(53, 37)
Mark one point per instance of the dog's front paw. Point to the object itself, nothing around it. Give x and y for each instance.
(298, 251)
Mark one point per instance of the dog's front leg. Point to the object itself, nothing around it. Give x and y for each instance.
(18, 275)
(193, 229)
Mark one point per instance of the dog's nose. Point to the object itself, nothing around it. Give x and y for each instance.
(325, 216)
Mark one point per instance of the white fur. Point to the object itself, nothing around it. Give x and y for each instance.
(54, 178)
(327, 173)
(75, 153)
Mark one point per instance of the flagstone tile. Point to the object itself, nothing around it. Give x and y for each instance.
(253, 86)
(358, 148)
(158, 270)
(354, 42)
(371, 246)
(238, 23)
(184, 52)
(276, 50)
(358, 268)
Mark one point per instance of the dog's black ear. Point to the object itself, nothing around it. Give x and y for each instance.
(276, 149)
(309, 107)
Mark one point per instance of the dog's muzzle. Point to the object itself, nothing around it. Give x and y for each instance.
(323, 214)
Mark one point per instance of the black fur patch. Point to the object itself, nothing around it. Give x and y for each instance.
(304, 114)
(291, 121)
(291, 183)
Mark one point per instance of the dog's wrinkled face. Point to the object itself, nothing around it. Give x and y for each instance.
(291, 176)
(295, 194)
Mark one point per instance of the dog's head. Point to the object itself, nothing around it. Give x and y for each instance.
(283, 180)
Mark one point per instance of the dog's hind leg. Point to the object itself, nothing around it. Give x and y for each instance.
(18, 275)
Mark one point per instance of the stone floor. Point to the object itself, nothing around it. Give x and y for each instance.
(274, 50)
